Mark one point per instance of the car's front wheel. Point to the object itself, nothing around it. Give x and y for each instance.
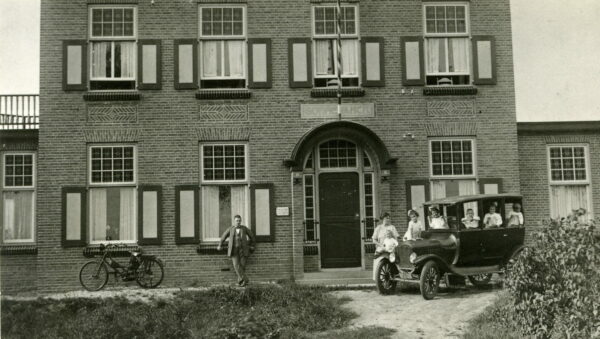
(430, 280)
(385, 277)
(480, 279)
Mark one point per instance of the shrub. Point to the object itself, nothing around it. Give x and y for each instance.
(555, 283)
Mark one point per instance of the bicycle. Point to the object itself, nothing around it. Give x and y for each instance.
(147, 270)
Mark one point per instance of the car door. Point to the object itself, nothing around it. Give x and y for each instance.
(494, 245)
(471, 245)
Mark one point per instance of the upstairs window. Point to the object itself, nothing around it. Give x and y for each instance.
(325, 46)
(113, 53)
(447, 46)
(452, 158)
(223, 47)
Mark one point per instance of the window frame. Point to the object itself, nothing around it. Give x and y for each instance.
(202, 38)
(112, 39)
(345, 36)
(586, 152)
(112, 184)
(32, 188)
(446, 36)
(245, 183)
(453, 176)
(358, 157)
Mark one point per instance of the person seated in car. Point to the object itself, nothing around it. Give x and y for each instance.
(515, 217)
(436, 221)
(492, 219)
(470, 220)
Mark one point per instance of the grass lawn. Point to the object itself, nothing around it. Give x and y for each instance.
(494, 322)
(278, 311)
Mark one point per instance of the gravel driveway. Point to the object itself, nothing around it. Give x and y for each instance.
(411, 316)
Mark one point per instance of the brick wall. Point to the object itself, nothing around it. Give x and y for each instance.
(533, 163)
(167, 122)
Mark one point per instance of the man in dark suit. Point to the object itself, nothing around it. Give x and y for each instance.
(241, 244)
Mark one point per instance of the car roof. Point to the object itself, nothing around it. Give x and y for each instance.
(463, 198)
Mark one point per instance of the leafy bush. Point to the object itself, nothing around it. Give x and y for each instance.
(555, 283)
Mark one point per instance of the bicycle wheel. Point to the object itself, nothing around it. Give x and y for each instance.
(93, 276)
(150, 273)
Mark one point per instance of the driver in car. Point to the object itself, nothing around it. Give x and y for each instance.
(436, 221)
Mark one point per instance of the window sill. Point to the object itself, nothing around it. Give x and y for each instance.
(332, 92)
(209, 94)
(449, 90)
(112, 96)
(13, 249)
(123, 252)
(210, 248)
(311, 249)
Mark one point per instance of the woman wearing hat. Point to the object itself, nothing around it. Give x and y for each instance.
(436, 220)
(415, 227)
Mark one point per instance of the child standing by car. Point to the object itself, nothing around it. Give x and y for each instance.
(414, 227)
(389, 245)
(515, 217)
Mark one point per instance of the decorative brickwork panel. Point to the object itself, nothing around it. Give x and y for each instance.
(111, 113)
(442, 109)
(223, 134)
(111, 135)
(317, 111)
(223, 112)
(562, 139)
(447, 129)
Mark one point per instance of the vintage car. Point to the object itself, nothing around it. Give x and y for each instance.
(458, 251)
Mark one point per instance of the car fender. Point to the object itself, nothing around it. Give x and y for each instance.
(421, 260)
(515, 251)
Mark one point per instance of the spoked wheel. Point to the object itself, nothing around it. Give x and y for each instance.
(480, 279)
(430, 280)
(93, 276)
(150, 273)
(385, 277)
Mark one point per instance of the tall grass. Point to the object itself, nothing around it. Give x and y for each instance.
(254, 312)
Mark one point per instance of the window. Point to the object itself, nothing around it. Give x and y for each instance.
(112, 196)
(447, 44)
(224, 190)
(310, 227)
(370, 219)
(569, 180)
(112, 48)
(18, 197)
(337, 153)
(452, 157)
(223, 47)
(325, 46)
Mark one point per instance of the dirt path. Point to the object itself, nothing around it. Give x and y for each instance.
(411, 316)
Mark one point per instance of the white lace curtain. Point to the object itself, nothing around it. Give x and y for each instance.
(223, 59)
(18, 215)
(120, 216)
(325, 57)
(565, 199)
(447, 55)
(219, 205)
(102, 53)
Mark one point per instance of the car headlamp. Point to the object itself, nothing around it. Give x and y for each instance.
(412, 257)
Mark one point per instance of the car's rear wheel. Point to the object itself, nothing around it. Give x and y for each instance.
(480, 279)
(385, 277)
(430, 280)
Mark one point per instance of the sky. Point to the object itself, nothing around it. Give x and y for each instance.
(556, 46)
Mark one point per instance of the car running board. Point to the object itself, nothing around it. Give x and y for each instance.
(475, 270)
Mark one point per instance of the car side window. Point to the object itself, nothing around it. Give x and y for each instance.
(450, 213)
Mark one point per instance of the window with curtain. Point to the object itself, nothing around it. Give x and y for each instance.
(569, 180)
(325, 46)
(18, 197)
(453, 157)
(224, 190)
(112, 48)
(112, 195)
(447, 45)
(222, 47)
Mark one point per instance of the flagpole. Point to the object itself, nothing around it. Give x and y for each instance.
(339, 58)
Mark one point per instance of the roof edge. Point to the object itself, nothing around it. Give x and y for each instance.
(557, 126)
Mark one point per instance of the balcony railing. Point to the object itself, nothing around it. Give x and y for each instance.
(19, 111)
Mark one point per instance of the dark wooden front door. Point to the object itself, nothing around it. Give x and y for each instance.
(339, 205)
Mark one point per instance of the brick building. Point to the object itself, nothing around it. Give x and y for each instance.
(159, 120)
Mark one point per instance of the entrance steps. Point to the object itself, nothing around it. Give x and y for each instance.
(339, 277)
